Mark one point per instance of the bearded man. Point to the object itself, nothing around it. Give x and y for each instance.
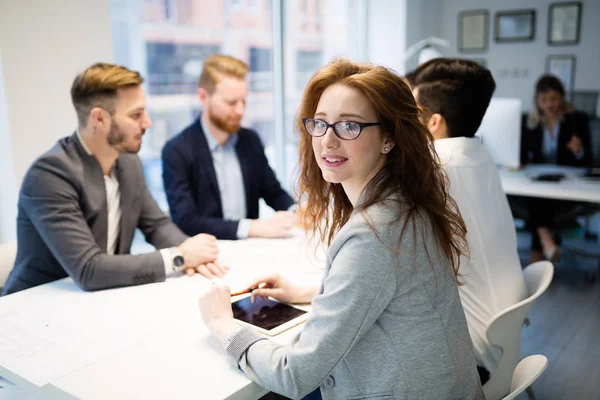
(215, 172)
(81, 201)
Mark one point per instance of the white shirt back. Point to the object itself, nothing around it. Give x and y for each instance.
(113, 206)
(492, 277)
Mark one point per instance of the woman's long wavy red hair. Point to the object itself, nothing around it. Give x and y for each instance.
(412, 170)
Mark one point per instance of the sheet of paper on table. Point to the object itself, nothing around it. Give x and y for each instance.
(47, 340)
(41, 349)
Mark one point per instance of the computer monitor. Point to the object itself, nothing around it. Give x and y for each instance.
(500, 131)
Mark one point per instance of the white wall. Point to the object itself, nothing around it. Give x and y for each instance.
(422, 21)
(515, 66)
(8, 198)
(44, 44)
(386, 39)
(440, 18)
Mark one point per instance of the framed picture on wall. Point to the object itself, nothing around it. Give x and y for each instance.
(514, 26)
(473, 30)
(563, 67)
(564, 23)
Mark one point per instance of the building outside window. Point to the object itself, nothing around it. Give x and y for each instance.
(168, 40)
(315, 32)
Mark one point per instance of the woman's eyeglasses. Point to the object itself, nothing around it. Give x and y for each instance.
(346, 130)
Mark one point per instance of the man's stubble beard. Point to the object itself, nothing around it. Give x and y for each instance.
(118, 140)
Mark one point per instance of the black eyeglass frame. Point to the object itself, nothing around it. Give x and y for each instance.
(362, 125)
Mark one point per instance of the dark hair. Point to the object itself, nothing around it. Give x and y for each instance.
(410, 77)
(412, 170)
(459, 90)
(549, 82)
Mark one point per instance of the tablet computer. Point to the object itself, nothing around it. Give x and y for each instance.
(266, 315)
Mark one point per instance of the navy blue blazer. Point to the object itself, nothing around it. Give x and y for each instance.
(192, 188)
(574, 123)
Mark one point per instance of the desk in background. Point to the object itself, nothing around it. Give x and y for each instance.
(143, 342)
(573, 187)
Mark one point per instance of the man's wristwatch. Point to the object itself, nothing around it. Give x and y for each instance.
(178, 260)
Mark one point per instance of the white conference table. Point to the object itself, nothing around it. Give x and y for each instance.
(573, 187)
(147, 341)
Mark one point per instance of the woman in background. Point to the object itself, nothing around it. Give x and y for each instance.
(553, 133)
(386, 321)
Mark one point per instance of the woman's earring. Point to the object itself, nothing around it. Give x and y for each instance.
(386, 149)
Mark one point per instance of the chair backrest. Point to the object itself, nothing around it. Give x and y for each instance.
(8, 253)
(595, 138)
(526, 372)
(585, 101)
(504, 329)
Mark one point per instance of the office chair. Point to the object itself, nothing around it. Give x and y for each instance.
(585, 101)
(504, 329)
(526, 372)
(595, 137)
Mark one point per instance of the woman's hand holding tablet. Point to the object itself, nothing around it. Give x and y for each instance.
(267, 316)
(265, 309)
(278, 287)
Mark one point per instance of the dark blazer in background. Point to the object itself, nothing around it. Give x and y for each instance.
(62, 223)
(192, 188)
(574, 123)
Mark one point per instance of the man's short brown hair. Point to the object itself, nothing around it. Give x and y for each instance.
(97, 87)
(217, 66)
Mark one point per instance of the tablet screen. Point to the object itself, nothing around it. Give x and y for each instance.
(264, 313)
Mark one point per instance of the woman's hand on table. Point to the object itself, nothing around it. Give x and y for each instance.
(215, 308)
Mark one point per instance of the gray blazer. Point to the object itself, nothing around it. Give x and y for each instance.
(62, 223)
(387, 324)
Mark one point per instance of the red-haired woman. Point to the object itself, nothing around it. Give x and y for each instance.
(386, 321)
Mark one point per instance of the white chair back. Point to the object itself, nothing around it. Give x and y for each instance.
(8, 253)
(527, 371)
(504, 330)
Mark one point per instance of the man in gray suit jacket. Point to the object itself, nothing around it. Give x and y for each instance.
(81, 202)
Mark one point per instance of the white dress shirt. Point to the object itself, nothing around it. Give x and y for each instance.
(113, 202)
(492, 277)
(113, 205)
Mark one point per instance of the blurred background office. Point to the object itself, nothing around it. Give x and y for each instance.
(43, 44)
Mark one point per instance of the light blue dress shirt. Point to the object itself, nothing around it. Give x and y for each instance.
(230, 181)
(550, 144)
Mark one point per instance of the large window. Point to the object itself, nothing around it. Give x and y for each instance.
(173, 68)
(315, 32)
(168, 40)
